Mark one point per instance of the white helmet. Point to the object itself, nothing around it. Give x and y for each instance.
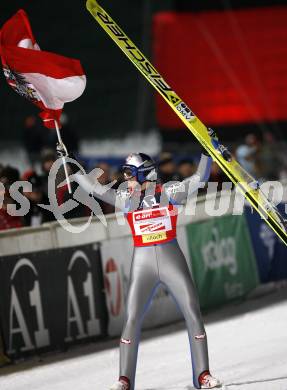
(141, 166)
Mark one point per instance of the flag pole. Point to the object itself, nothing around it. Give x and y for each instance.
(64, 155)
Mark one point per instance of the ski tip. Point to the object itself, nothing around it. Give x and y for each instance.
(91, 5)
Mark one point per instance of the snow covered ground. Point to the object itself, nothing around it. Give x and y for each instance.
(248, 351)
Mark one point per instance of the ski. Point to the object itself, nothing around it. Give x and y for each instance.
(242, 179)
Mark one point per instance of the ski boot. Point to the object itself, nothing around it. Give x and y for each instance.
(207, 381)
(122, 384)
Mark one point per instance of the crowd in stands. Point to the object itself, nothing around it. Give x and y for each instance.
(169, 170)
(265, 159)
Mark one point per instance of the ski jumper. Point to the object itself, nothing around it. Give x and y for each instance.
(158, 260)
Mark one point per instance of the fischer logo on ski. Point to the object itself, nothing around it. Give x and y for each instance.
(142, 62)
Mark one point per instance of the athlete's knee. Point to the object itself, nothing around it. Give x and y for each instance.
(131, 330)
(132, 322)
(193, 314)
(193, 307)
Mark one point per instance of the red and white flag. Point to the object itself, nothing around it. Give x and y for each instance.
(46, 79)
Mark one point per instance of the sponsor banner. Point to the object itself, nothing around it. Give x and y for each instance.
(151, 221)
(116, 257)
(51, 299)
(223, 262)
(269, 250)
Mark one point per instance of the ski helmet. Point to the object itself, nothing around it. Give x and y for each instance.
(140, 166)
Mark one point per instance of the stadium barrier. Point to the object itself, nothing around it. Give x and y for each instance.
(59, 288)
(51, 296)
(270, 252)
(3, 358)
(222, 259)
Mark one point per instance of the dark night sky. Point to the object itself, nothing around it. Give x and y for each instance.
(69, 29)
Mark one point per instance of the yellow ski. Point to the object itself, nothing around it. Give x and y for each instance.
(232, 169)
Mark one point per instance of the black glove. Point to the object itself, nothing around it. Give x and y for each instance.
(219, 147)
(61, 150)
(63, 153)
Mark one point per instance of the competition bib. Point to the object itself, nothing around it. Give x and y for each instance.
(152, 223)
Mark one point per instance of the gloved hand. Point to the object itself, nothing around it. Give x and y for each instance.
(219, 147)
(61, 150)
(63, 153)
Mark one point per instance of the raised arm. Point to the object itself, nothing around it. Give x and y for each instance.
(178, 192)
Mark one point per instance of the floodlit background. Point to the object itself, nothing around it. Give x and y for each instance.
(227, 59)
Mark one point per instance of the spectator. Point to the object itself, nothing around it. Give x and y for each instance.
(167, 168)
(283, 160)
(217, 176)
(270, 157)
(185, 168)
(35, 214)
(48, 157)
(247, 154)
(7, 177)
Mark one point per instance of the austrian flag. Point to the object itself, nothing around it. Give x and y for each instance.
(46, 79)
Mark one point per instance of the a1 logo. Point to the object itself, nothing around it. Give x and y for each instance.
(90, 327)
(41, 334)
